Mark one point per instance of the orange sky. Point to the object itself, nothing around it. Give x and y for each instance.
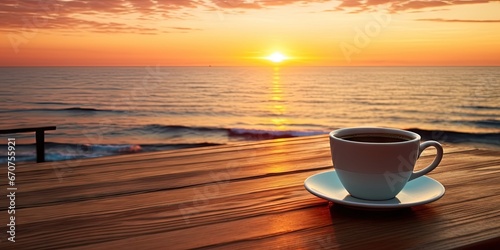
(245, 32)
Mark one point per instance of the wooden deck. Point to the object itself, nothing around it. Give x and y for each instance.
(245, 196)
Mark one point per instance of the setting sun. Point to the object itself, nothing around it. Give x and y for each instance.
(276, 57)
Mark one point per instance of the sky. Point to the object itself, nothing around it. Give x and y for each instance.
(247, 32)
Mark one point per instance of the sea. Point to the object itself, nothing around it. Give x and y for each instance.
(102, 111)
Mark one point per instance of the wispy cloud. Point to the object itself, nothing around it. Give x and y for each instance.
(237, 4)
(458, 20)
(158, 16)
(261, 4)
(355, 6)
(111, 16)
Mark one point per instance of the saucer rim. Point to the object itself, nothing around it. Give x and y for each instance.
(360, 203)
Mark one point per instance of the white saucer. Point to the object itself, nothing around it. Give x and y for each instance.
(419, 191)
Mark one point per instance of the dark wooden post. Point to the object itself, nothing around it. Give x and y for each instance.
(39, 135)
(40, 145)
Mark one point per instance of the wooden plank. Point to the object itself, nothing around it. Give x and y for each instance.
(101, 181)
(26, 129)
(143, 180)
(252, 200)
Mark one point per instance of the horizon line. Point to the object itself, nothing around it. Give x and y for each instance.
(215, 66)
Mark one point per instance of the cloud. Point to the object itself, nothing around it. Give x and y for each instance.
(158, 16)
(289, 2)
(260, 4)
(355, 6)
(95, 16)
(458, 20)
(237, 4)
(412, 5)
(115, 15)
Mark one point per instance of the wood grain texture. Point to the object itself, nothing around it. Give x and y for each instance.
(244, 196)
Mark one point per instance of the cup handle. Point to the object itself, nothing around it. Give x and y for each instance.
(434, 164)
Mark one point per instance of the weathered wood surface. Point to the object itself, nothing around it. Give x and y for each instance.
(245, 196)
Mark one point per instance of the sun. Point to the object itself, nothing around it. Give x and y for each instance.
(276, 57)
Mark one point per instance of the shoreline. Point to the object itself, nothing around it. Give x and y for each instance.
(55, 151)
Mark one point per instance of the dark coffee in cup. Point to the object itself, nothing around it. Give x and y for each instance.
(376, 138)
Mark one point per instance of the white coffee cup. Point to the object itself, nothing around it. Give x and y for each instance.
(376, 163)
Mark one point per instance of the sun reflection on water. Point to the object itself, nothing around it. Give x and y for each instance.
(278, 104)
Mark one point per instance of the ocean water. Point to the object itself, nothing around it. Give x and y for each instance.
(103, 111)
